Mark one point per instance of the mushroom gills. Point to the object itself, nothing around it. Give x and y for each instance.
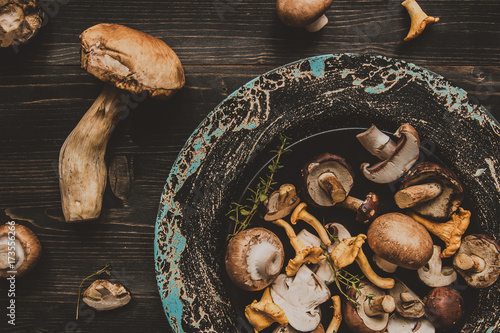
(4, 254)
(264, 261)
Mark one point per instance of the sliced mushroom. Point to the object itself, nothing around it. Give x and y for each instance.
(444, 307)
(309, 14)
(327, 180)
(262, 314)
(419, 19)
(290, 329)
(398, 324)
(377, 143)
(400, 240)
(281, 202)
(103, 295)
(408, 304)
(401, 160)
(433, 274)
(19, 255)
(366, 210)
(478, 260)
(254, 258)
(430, 190)
(19, 21)
(300, 213)
(300, 297)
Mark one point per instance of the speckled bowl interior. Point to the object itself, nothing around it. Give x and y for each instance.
(303, 98)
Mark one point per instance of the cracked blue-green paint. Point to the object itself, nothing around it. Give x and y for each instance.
(377, 89)
(317, 66)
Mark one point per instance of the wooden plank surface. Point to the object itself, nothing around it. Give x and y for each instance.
(222, 44)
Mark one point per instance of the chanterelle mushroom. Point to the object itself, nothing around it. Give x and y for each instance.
(419, 19)
(404, 156)
(478, 260)
(281, 203)
(103, 295)
(19, 21)
(25, 249)
(261, 314)
(254, 258)
(300, 213)
(125, 59)
(408, 304)
(433, 274)
(303, 13)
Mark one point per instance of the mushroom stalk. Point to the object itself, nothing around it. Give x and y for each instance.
(419, 19)
(379, 305)
(377, 143)
(318, 24)
(362, 261)
(82, 170)
(415, 195)
(331, 185)
(365, 210)
(300, 213)
(467, 262)
(337, 315)
(261, 314)
(384, 265)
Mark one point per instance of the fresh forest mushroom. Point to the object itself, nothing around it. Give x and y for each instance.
(398, 324)
(281, 203)
(384, 265)
(339, 232)
(300, 213)
(377, 143)
(433, 274)
(348, 251)
(371, 312)
(334, 325)
(262, 314)
(400, 240)
(327, 180)
(478, 260)
(103, 295)
(419, 19)
(303, 253)
(408, 304)
(19, 21)
(431, 190)
(366, 210)
(450, 232)
(290, 329)
(444, 307)
(254, 258)
(303, 13)
(129, 61)
(21, 244)
(404, 156)
(300, 297)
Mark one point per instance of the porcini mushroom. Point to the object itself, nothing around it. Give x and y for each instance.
(300, 297)
(334, 325)
(419, 19)
(478, 260)
(431, 190)
(371, 312)
(20, 250)
(326, 180)
(254, 258)
(404, 156)
(103, 295)
(399, 324)
(400, 240)
(444, 307)
(366, 210)
(19, 21)
(303, 13)
(281, 203)
(433, 274)
(261, 314)
(450, 232)
(408, 304)
(300, 213)
(129, 61)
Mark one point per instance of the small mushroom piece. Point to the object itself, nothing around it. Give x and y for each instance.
(103, 295)
(334, 325)
(433, 274)
(408, 304)
(19, 21)
(430, 190)
(371, 314)
(303, 13)
(20, 250)
(377, 143)
(419, 19)
(366, 210)
(261, 314)
(281, 203)
(404, 156)
(398, 324)
(290, 329)
(450, 232)
(303, 253)
(254, 258)
(326, 180)
(300, 297)
(129, 61)
(300, 213)
(444, 307)
(384, 265)
(478, 260)
(400, 240)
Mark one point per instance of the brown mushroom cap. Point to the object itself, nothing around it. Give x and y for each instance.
(445, 204)
(400, 240)
(444, 307)
(19, 21)
(27, 242)
(299, 13)
(281, 202)
(131, 60)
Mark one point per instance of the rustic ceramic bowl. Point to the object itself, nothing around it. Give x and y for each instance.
(300, 99)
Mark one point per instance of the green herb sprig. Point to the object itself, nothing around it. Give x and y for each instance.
(80, 287)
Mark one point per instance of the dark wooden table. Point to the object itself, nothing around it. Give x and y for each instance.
(222, 45)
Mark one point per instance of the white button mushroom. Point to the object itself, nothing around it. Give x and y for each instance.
(26, 250)
(433, 274)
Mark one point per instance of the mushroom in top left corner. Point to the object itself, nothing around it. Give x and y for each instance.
(128, 61)
(20, 250)
(19, 21)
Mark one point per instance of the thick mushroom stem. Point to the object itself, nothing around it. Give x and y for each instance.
(415, 195)
(337, 315)
(377, 143)
(331, 185)
(82, 170)
(300, 213)
(318, 24)
(470, 263)
(384, 283)
(261, 314)
(366, 210)
(384, 265)
(379, 305)
(419, 19)
(450, 232)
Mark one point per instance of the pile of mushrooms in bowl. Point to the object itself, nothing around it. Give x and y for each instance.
(423, 245)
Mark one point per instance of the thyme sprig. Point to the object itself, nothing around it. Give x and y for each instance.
(80, 287)
(242, 214)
